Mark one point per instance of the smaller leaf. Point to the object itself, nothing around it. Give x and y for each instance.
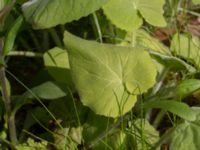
(186, 87)
(10, 38)
(180, 109)
(140, 141)
(48, 90)
(56, 57)
(171, 62)
(185, 135)
(187, 47)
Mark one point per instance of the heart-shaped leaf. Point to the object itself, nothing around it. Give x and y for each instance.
(108, 77)
(127, 14)
(49, 13)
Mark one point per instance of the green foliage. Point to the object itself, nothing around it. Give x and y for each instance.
(177, 108)
(186, 87)
(32, 145)
(187, 47)
(94, 95)
(57, 64)
(48, 90)
(10, 38)
(141, 138)
(186, 135)
(37, 12)
(134, 11)
(144, 39)
(109, 77)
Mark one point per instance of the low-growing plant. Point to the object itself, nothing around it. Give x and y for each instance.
(98, 74)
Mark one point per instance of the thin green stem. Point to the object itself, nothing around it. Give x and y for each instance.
(158, 118)
(98, 27)
(10, 119)
(55, 37)
(25, 54)
(35, 40)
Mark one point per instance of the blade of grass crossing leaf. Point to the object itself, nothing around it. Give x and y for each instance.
(10, 38)
(180, 109)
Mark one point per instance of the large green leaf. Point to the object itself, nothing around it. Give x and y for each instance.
(49, 13)
(127, 14)
(105, 74)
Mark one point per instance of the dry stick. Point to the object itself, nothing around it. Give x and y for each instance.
(10, 119)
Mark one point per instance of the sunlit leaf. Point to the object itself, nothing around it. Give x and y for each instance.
(116, 10)
(56, 57)
(109, 77)
(143, 38)
(127, 14)
(49, 13)
(152, 11)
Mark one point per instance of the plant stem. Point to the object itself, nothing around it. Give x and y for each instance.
(158, 118)
(55, 37)
(10, 119)
(97, 26)
(25, 53)
(6, 98)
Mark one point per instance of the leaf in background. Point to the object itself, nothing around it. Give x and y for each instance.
(186, 135)
(172, 62)
(11, 36)
(186, 47)
(102, 133)
(135, 138)
(48, 90)
(56, 57)
(95, 125)
(196, 1)
(187, 87)
(178, 108)
(143, 38)
(48, 13)
(57, 64)
(127, 14)
(101, 71)
(152, 11)
(116, 10)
